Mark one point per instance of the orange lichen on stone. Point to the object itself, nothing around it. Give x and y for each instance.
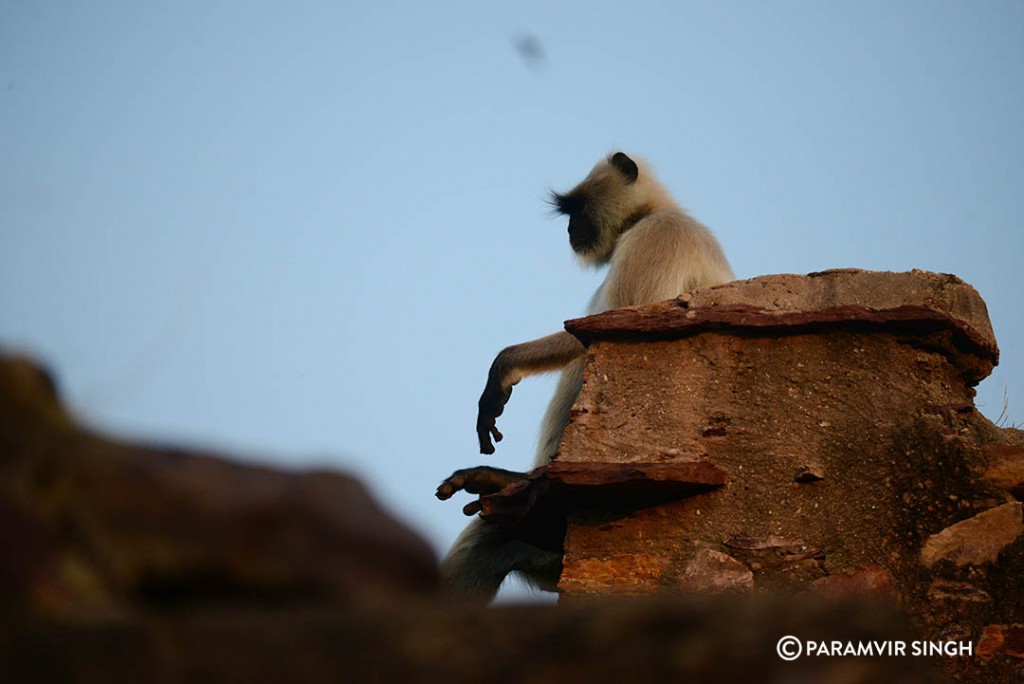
(628, 573)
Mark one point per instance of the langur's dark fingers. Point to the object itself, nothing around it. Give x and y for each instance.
(497, 434)
(447, 489)
(452, 484)
(483, 435)
(472, 508)
(484, 428)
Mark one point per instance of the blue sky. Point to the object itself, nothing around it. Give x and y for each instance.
(301, 232)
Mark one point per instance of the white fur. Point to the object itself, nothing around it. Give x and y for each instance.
(661, 256)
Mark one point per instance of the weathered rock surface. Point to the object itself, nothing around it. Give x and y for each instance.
(1002, 640)
(1005, 468)
(841, 406)
(977, 540)
(712, 571)
(872, 581)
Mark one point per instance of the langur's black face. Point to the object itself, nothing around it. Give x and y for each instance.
(585, 206)
(583, 233)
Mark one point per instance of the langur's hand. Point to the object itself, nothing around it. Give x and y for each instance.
(481, 480)
(492, 403)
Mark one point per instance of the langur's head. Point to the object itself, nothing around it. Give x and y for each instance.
(615, 195)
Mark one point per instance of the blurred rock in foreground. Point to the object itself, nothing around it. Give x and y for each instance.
(91, 526)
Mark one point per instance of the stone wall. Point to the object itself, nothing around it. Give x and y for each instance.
(839, 405)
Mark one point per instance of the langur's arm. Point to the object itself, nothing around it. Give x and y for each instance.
(512, 365)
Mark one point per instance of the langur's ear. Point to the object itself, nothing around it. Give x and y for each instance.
(626, 166)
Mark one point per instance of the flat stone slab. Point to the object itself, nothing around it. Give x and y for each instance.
(581, 480)
(977, 540)
(916, 302)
